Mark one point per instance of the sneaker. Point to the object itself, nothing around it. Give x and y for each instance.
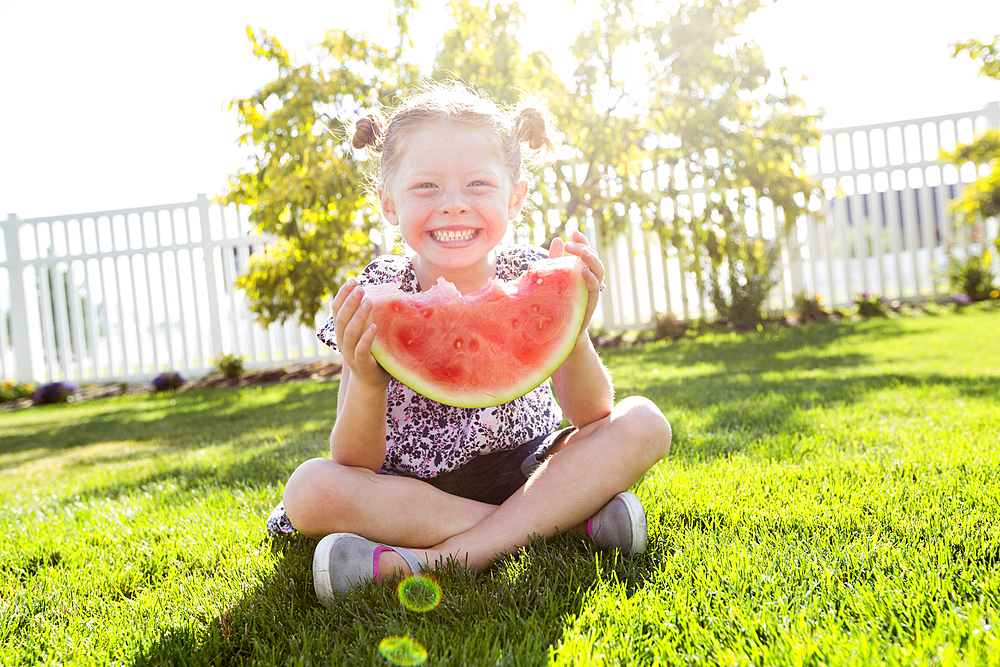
(344, 561)
(621, 524)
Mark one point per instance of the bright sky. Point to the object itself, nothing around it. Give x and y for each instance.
(117, 103)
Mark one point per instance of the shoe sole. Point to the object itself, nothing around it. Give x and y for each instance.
(637, 516)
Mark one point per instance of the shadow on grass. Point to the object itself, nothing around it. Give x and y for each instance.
(744, 389)
(744, 410)
(266, 465)
(783, 350)
(186, 420)
(511, 614)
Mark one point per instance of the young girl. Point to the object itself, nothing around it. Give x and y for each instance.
(459, 483)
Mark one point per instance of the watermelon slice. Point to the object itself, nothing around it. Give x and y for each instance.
(486, 348)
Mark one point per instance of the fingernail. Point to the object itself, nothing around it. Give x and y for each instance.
(366, 304)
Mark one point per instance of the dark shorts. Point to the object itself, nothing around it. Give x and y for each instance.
(493, 478)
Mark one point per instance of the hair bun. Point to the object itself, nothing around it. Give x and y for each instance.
(368, 130)
(533, 125)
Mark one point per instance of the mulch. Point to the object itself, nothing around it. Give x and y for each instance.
(317, 371)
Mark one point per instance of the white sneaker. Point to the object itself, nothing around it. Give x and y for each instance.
(620, 524)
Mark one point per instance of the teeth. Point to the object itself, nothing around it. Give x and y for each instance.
(448, 235)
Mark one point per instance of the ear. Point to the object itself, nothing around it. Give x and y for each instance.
(517, 198)
(388, 208)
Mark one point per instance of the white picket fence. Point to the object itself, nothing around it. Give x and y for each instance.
(124, 295)
(882, 228)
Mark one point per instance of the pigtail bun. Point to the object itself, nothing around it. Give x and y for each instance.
(368, 131)
(533, 126)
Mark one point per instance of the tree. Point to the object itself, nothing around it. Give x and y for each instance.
(705, 114)
(734, 132)
(704, 117)
(981, 198)
(304, 186)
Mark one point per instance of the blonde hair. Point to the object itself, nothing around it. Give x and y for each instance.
(527, 123)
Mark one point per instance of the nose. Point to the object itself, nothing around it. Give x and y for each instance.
(453, 202)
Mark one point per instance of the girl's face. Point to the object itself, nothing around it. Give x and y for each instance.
(451, 196)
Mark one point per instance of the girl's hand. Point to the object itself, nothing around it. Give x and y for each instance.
(593, 274)
(355, 335)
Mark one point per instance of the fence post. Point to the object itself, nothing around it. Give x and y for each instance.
(20, 335)
(992, 120)
(212, 287)
(992, 114)
(791, 232)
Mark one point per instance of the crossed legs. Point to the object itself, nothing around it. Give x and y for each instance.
(588, 467)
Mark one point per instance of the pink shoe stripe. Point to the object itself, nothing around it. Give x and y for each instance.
(378, 552)
(590, 527)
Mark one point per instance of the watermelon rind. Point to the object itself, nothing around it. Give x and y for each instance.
(505, 295)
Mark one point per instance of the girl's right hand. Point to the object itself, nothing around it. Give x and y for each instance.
(355, 335)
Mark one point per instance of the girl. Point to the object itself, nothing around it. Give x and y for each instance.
(467, 484)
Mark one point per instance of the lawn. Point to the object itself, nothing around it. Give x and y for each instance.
(832, 497)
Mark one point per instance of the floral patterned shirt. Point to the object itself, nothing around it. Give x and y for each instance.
(425, 438)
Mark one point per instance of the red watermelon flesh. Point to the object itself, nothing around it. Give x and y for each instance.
(485, 348)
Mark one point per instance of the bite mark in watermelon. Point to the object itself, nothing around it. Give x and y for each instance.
(486, 348)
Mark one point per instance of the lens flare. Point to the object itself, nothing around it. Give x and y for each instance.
(403, 651)
(419, 593)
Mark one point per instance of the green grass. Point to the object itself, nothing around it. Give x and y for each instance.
(832, 497)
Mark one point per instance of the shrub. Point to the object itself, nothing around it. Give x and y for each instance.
(809, 308)
(752, 274)
(230, 365)
(12, 391)
(870, 305)
(972, 277)
(167, 381)
(53, 392)
(668, 326)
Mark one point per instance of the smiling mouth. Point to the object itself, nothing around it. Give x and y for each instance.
(448, 235)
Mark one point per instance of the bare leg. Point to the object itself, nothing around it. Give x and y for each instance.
(589, 468)
(323, 497)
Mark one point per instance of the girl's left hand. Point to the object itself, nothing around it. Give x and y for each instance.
(593, 274)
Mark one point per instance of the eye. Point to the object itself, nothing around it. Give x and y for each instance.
(477, 184)
(425, 186)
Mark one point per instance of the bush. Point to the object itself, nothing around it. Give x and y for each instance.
(870, 305)
(53, 392)
(168, 381)
(972, 277)
(230, 365)
(668, 326)
(809, 308)
(12, 391)
(751, 266)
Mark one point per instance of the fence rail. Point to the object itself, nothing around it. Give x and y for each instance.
(122, 295)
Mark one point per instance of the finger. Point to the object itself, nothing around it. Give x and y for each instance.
(355, 327)
(589, 257)
(342, 294)
(343, 318)
(349, 306)
(556, 248)
(364, 347)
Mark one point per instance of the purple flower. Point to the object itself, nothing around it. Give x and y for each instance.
(962, 299)
(53, 392)
(167, 381)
